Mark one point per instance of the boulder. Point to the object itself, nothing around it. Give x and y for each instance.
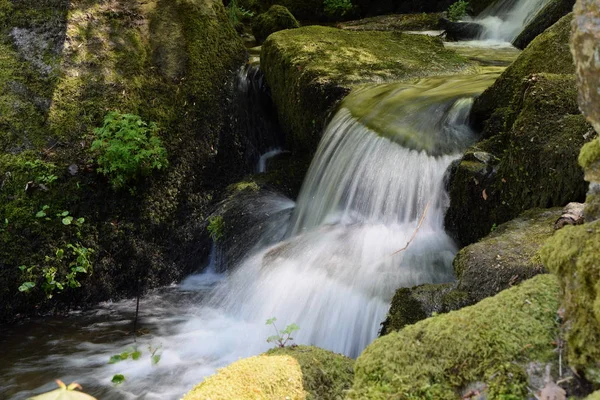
(528, 159)
(277, 18)
(311, 69)
(491, 344)
(544, 19)
(455, 31)
(295, 373)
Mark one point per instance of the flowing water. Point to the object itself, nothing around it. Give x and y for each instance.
(505, 19)
(369, 219)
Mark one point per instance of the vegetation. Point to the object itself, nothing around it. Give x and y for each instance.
(283, 337)
(457, 10)
(216, 227)
(336, 9)
(127, 148)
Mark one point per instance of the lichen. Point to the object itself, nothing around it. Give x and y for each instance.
(256, 378)
(490, 342)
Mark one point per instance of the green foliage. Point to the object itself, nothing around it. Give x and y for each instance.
(457, 10)
(282, 337)
(216, 227)
(238, 14)
(118, 379)
(337, 8)
(134, 354)
(126, 148)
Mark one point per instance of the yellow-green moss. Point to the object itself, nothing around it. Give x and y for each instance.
(311, 68)
(594, 396)
(325, 375)
(276, 18)
(589, 159)
(255, 378)
(490, 342)
(572, 254)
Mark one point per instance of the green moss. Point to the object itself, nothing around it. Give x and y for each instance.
(544, 19)
(594, 396)
(589, 158)
(325, 375)
(549, 52)
(311, 68)
(277, 18)
(492, 341)
(572, 254)
(255, 378)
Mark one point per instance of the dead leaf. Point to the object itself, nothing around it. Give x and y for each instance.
(484, 195)
(552, 392)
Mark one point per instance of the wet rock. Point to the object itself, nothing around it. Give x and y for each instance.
(276, 19)
(460, 30)
(395, 22)
(544, 19)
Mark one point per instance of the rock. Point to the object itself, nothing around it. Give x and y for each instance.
(284, 373)
(492, 342)
(277, 18)
(311, 68)
(411, 305)
(531, 151)
(505, 257)
(544, 19)
(455, 31)
(594, 396)
(395, 22)
(549, 52)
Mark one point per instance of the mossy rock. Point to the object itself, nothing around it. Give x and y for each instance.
(277, 18)
(528, 160)
(544, 19)
(491, 342)
(304, 10)
(325, 375)
(506, 256)
(295, 373)
(572, 254)
(395, 22)
(256, 378)
(594, 396)
(311, 69)
(411, 305)
(549, 52)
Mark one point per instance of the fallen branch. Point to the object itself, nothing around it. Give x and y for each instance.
(415, 232)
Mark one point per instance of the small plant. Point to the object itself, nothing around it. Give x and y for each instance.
(134, 354)
(216, 227)
(238, 14)
(126, 148)
(457, 10)
(337, 8)
(282, 338)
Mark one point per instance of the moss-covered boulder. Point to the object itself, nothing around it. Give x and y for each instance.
(506, 256)
(63, 67)
(257, 378)
(395, 22)
(528, 160)
(594, 396)
(544, 19)
(295, 373)
(311, 68)
(276, 19)
(549, 52)
(492, 342)
(411, 305)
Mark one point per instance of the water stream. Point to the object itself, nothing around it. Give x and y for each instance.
(505, 19)
(375, 185)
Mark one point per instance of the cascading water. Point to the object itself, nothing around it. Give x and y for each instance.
(505, 19)
(375, 184)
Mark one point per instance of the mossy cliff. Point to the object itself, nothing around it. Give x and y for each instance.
(311, 69)
(544, 19)
(301, 372)
(528, 159)
(168, 62)
(492, 342)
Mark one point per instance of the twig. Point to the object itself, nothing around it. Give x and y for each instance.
(416, 230)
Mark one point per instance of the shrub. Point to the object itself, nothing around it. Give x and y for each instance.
(457, 10)
(127, 148)
(337, 8)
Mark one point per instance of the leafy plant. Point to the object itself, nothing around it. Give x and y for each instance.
(216, 227)
(457, 10)
(282, 338)
(126, 148)
(337, 8)
(238, 14)
(134, 354)
(43, 171)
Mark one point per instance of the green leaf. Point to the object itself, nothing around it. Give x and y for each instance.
(136, 355)
(40, 214)
(271, 321)
(26, 286)
(155, 359)
(118, 379)
(67, 220)
(115, 359)
(64, 214)
(274, 338)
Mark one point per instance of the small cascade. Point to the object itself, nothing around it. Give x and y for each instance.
(505, 19)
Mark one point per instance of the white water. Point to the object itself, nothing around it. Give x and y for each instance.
(334, 275)
(504, 20)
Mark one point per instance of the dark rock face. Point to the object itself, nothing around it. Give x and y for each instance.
(460, 30)
(551, 13)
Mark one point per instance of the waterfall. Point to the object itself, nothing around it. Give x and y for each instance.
(505, 19)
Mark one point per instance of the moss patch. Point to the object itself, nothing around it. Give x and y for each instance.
(254, 378)
(490, 342)
(572, 254)
(277, 18)
(311, 68)
(325, 375)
